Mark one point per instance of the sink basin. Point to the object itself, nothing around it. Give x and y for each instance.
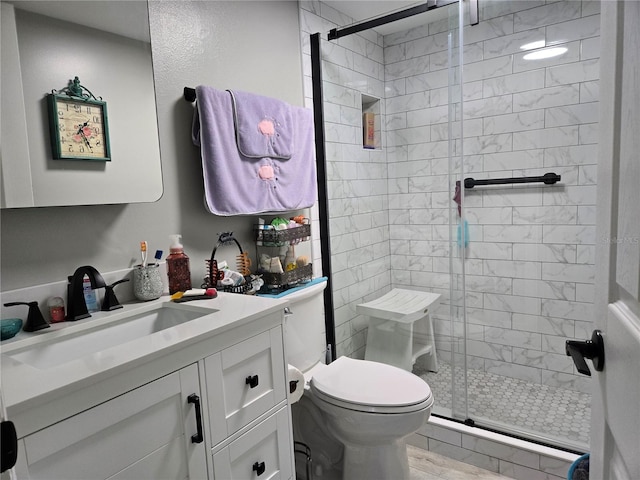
(81, 344)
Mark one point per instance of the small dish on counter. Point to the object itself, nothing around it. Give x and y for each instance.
(10, 327)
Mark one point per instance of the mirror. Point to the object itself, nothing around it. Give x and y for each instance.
(106, 44)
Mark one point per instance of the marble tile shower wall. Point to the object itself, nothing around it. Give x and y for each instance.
(357, 178)
(530, 268)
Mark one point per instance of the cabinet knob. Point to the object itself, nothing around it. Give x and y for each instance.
(259, 468)
(252, 381)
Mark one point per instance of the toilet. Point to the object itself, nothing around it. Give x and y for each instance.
(354, 414)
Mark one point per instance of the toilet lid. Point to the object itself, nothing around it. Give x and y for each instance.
(371, 386)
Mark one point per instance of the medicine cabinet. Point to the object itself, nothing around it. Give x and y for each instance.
(45, 44)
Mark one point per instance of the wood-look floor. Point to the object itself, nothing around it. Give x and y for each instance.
(431, 466)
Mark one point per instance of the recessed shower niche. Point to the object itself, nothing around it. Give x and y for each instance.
(371, 126)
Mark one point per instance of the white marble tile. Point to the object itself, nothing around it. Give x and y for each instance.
(543, 324)
(590, 48)
(574, 72)
(568, 309)
(507, 44)
(522, 372)
(544, 289)
(487, 283)
(590, 91)
(586, 254)
(560, 253)
(517, 82)
(512, 303)
(488, 143)
(578, 234)
(546, 15)
(428, 116)
(571, 155)
(489, 250)
(577, 29)
(515, 122)
(491, 28)
(546, 137)
(570, 195)
(546, 215)
(501, 451)
(589, 134)
(512, 269)
(513, 160)
(580, 273)
(571, 114)
(407, 68)
(488, 68)
(515, 233)
(546, 97)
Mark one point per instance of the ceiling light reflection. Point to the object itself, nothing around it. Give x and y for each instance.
(545, 53)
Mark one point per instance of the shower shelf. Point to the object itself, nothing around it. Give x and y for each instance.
(371, 134)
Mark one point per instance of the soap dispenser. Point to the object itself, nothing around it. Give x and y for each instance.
(178, 269)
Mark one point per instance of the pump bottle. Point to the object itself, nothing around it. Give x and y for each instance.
(178, 268)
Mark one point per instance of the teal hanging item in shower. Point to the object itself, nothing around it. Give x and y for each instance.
(466, 233)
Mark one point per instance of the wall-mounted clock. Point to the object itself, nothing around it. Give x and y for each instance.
(78, 123)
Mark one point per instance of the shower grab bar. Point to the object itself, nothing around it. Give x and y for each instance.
(547, 179)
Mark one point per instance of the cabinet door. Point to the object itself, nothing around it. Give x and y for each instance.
(264, 452)
(244, 381)
(142, 434)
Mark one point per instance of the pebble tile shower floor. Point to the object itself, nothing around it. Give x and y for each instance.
(554, 412)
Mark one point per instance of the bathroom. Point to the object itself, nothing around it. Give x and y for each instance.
(106, 236)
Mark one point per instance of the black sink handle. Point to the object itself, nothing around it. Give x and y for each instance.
(592, 349)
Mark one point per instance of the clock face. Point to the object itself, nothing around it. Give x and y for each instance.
(80, 130)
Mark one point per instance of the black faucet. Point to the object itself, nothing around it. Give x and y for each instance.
(76, 306)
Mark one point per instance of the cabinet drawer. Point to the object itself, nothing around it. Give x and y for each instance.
(143, 434)
(264, 452)
(244, 381)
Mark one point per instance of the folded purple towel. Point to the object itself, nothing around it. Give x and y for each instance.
(236, 184)
(264, 127)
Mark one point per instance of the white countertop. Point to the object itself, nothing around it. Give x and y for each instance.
(25, 383)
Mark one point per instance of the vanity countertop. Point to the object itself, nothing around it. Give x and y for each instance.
(24, 384)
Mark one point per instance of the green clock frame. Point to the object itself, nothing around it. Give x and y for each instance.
(78, 124)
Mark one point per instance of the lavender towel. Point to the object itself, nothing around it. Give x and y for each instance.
(264, 127)
(236, 184)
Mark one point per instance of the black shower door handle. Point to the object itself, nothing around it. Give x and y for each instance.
(592, 349)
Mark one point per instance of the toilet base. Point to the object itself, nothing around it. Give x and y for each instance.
(380, 462)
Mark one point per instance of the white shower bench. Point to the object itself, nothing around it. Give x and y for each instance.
(401, 329)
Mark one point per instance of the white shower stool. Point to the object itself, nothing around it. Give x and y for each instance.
(400, 328)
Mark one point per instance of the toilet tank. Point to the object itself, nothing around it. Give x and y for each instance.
(305, 338)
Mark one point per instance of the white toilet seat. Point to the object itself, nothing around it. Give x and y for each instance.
(372, 387)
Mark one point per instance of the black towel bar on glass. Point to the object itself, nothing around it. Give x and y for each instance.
(547, 179)
(190, 94)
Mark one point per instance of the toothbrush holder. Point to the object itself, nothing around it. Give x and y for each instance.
(147, 282)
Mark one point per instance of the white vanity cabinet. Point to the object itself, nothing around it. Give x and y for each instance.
(216, 409)
(144, 434)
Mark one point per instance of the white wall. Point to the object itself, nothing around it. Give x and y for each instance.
(250, 46)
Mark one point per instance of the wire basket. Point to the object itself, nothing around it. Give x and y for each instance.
(270, 237)
(214, 274)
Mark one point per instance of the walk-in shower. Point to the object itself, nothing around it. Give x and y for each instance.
(514, 96)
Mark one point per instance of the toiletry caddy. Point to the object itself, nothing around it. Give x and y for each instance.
(243, 263)
(270, 240)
